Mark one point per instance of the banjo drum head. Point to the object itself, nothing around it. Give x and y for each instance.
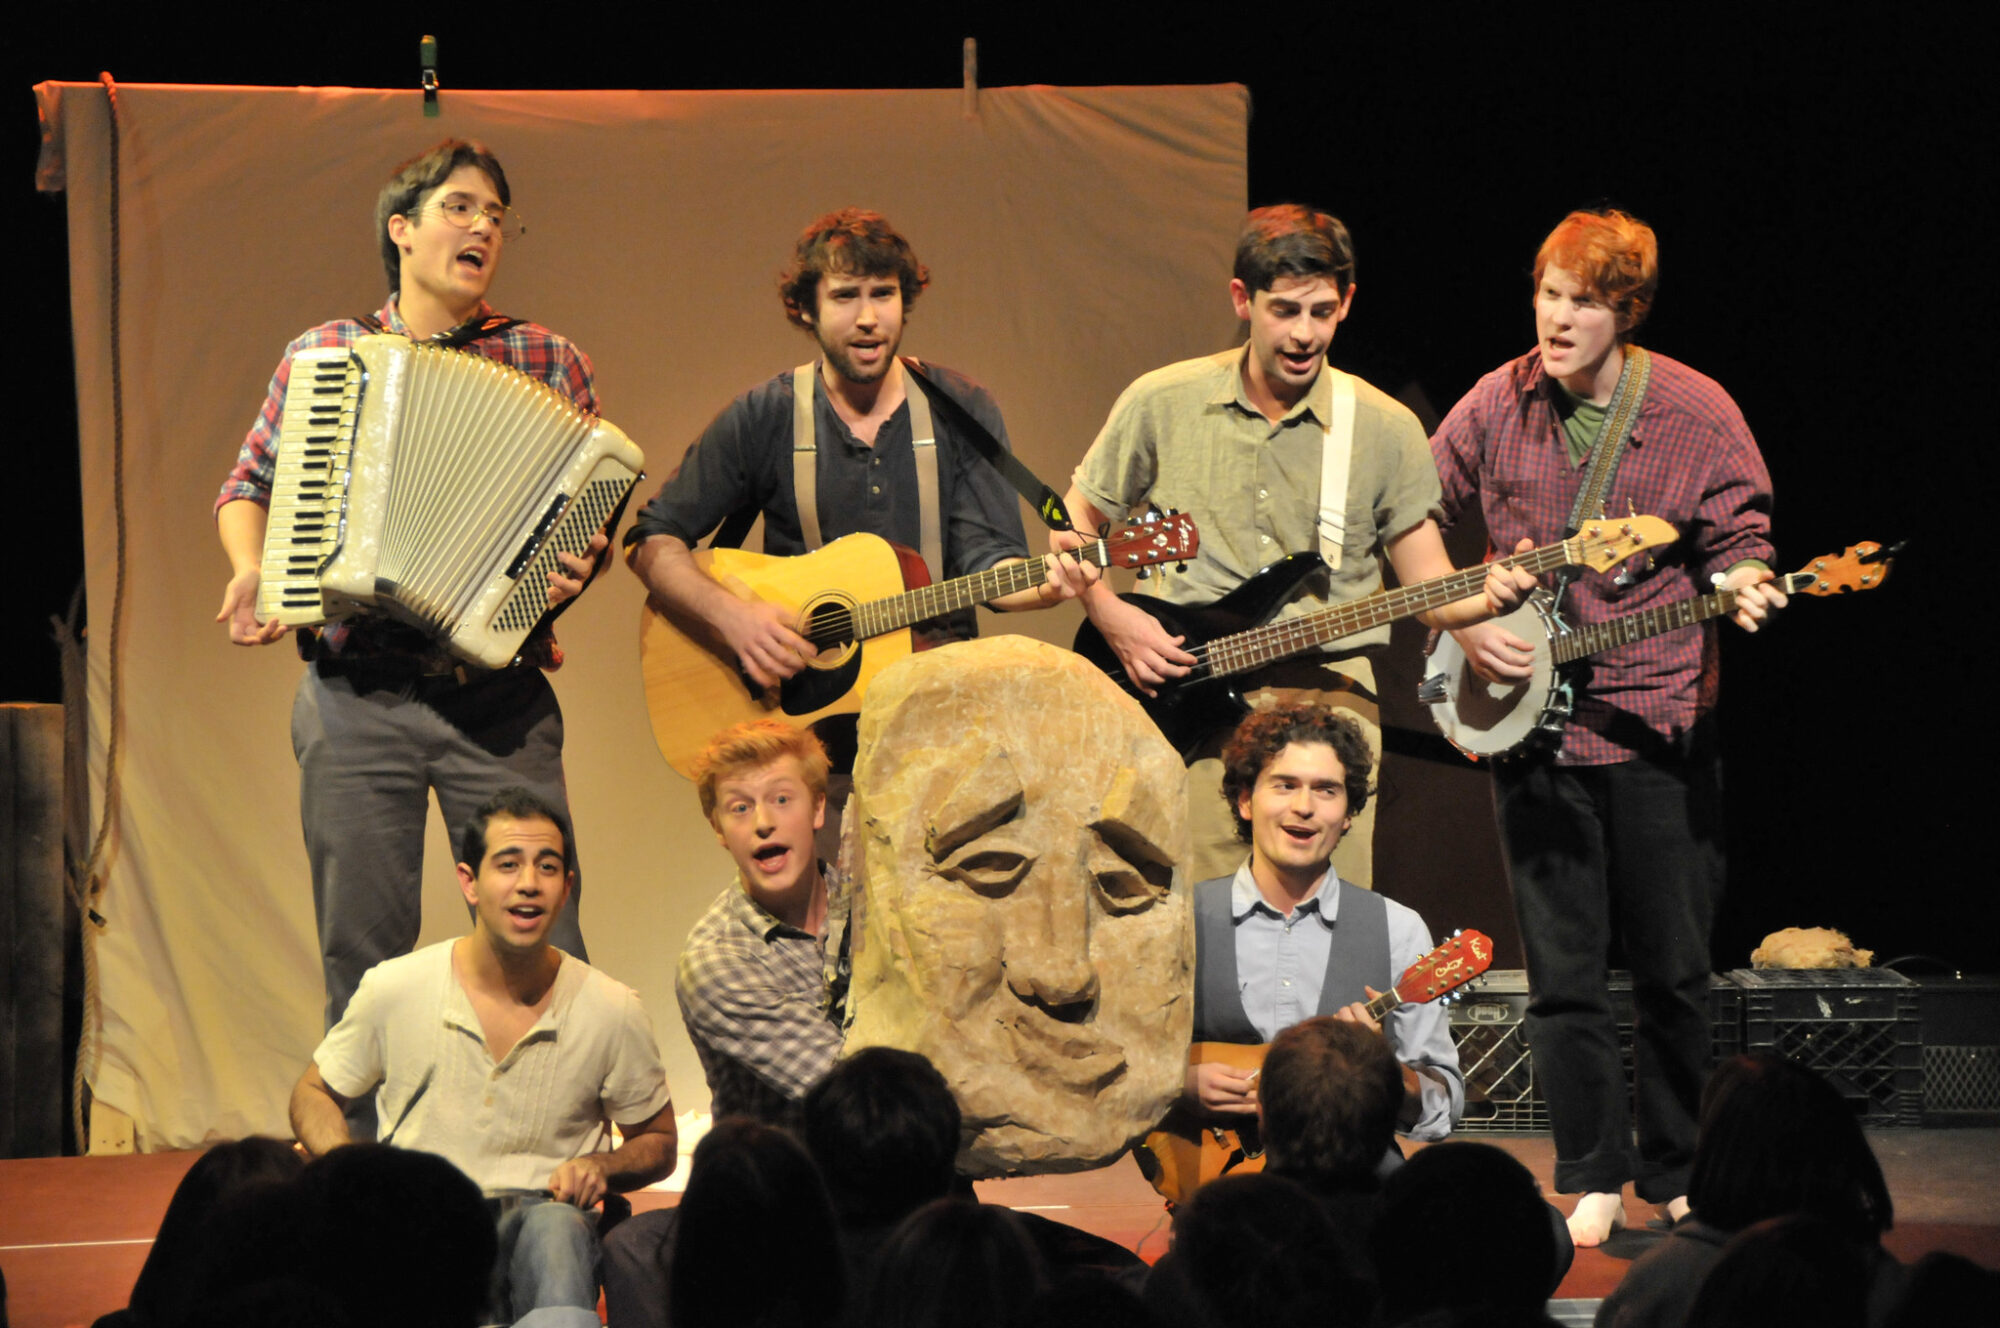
(1484, 719)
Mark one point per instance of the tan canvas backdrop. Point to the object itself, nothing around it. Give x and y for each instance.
(1077, 237)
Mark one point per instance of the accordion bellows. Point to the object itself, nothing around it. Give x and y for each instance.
(434, 486)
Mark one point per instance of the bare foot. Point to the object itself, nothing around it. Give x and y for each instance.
(1595, 1217)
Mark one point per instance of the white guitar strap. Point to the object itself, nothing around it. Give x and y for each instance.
(805, 466)
(1336, 455)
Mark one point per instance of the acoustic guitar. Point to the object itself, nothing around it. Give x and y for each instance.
(855, 601)
(1499, 719)
(1241, 631)
(1192, 1147)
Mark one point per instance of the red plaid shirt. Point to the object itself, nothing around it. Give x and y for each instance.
(1691, 461)
(529, 347)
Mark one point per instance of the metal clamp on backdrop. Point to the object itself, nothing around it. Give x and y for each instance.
(428, 52)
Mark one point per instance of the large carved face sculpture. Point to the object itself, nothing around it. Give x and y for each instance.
(1015, 835)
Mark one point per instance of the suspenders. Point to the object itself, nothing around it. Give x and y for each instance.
(1336, 452)
(805, 465)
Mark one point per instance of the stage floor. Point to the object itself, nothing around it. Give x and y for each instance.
(74, 1231)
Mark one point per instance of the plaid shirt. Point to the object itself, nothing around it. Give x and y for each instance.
(1691, 461)
(529, 347)
(753, 993)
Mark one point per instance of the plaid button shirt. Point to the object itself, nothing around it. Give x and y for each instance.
(753, 993)
(529, 347)
(1691, 461)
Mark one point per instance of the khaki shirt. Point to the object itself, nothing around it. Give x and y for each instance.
(1186, 437)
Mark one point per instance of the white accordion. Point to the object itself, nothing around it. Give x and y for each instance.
(433, 486)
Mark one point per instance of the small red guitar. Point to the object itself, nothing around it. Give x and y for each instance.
(1192, 1147)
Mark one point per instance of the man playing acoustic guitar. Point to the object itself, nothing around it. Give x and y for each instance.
(1286, 939)
(855, 454)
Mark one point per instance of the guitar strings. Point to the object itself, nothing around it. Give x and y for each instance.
(834, 627)
(1295, 634)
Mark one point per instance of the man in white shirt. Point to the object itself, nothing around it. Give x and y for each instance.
(510, 1059)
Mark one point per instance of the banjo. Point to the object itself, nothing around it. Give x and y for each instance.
(1488, 719)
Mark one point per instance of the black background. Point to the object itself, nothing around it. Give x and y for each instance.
(1816, 180)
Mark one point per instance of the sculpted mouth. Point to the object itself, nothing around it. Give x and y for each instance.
(1052, 1041)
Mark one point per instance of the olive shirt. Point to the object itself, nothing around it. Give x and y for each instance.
(1186, 437)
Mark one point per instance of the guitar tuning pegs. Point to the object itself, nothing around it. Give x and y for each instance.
(1180, 567)
(1143, 574)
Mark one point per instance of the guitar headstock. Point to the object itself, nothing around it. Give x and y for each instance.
(1862, 566)
(1605, 542)
(1166, 539)
(1447, 968)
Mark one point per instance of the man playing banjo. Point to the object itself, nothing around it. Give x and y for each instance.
(1622, 827)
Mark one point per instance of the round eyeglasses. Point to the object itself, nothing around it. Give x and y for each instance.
(461, 212)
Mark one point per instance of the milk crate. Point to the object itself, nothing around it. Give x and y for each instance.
(1961, 1023)
(1500, 1092)
(1857, 1028)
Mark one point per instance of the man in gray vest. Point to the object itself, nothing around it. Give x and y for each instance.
(1285, 939)
(842, 444)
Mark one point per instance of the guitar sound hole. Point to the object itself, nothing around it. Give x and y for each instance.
(830, 626)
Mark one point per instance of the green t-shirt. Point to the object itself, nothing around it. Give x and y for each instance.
(1582, 421)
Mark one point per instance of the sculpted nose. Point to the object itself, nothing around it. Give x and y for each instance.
(1048, 949)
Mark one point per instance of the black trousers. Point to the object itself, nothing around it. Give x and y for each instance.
(1634, 851)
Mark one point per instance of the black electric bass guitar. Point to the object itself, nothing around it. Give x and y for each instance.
(1241, 631)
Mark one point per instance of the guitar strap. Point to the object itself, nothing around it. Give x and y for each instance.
(805, 465)
(1606, 450)
(1048, 506)
(1336, 455)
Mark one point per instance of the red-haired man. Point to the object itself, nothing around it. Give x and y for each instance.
(1622, 827)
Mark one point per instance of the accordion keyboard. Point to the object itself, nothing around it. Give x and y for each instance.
(309, 486)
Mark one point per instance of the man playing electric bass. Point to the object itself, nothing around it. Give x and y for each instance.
(1273, 453)
(858, 454)
(1623, 827)
(1285, 939)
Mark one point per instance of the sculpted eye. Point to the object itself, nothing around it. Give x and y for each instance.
(989, 869)
(1124, 890)
(1128, 875)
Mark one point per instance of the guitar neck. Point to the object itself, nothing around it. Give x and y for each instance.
(892, 613)
(1291, 636)
(1589, 640)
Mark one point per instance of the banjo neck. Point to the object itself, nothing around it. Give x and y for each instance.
(1577, 642)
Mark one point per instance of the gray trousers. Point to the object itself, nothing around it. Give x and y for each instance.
(372, 746)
